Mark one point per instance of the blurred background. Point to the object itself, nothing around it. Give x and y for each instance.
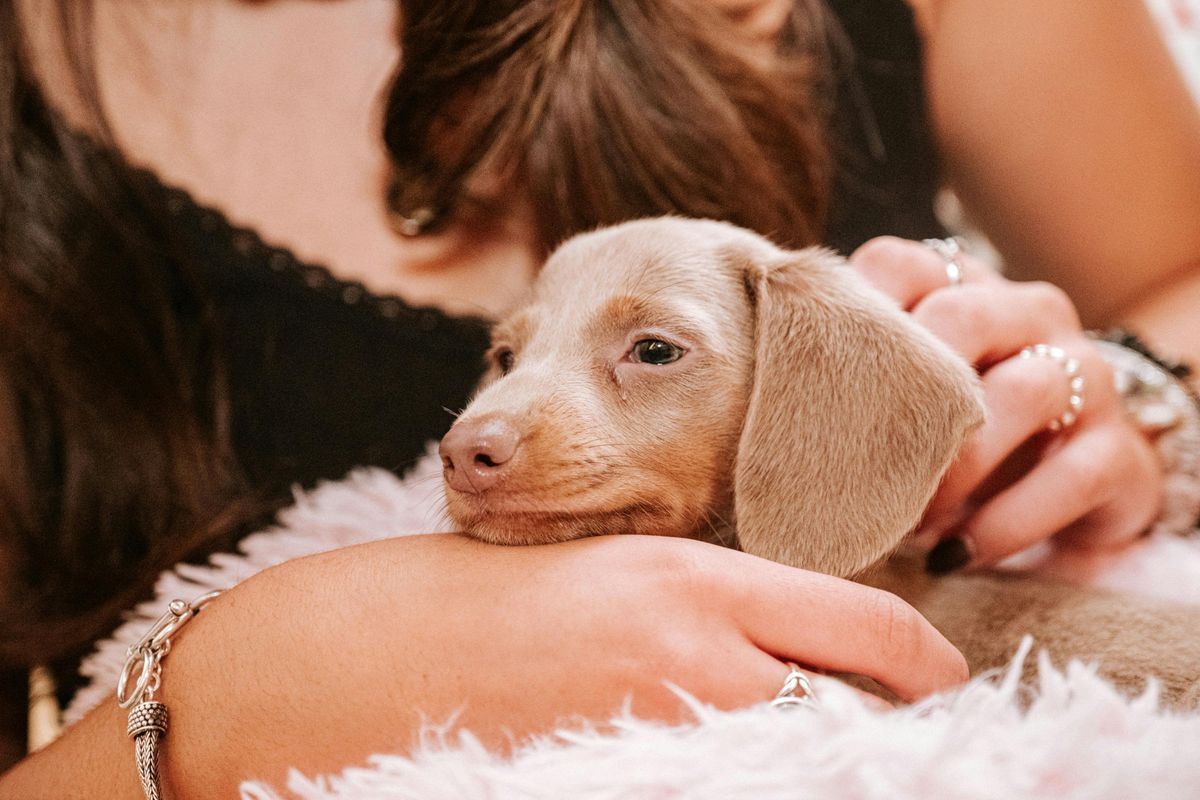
(1180, 21)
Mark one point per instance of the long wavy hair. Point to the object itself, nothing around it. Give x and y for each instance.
(115, 455)
(114, 443)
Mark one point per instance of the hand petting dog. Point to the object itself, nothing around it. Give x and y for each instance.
(688, 378)
(1094, 484)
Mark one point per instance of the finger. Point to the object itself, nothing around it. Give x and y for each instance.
(1022, 396)
(1083, 476)
(834, 625)
(985, 323)
(1134, 507)
(908, 271)
(762, 683)
(823, 686)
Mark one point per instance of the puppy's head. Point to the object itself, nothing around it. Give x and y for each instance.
(677, 377)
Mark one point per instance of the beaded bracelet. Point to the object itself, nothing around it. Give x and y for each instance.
(1159, 401)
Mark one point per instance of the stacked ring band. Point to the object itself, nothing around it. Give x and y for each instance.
(951, 250)
(1075, 382)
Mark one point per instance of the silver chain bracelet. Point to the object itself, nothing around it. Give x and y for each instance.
(148, 719)
(1159, 402)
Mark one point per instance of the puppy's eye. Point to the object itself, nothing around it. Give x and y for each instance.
(655, 351)
(504, 359)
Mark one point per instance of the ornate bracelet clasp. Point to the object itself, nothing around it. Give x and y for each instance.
(143, 658)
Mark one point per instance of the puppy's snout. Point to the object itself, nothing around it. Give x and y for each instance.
(476, 454)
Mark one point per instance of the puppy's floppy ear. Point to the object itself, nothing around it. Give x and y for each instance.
(854, 413)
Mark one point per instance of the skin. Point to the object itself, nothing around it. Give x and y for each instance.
(713, 622)
(188, 117)
(1094, 486)
(1101, 204)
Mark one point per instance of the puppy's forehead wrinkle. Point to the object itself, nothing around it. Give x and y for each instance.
(598, 289)
(682, 316)
(665, 251)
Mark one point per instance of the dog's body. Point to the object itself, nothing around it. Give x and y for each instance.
(688, 378)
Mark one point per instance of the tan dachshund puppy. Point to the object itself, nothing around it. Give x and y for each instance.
(689, 378)
(671, 376)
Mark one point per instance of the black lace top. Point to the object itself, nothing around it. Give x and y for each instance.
(323, 374)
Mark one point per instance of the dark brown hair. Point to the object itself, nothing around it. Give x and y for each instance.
(114, 446)
(600, 111)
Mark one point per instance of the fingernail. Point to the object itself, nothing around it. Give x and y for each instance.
(947, 556)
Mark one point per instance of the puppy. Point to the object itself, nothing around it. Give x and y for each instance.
(689, 378)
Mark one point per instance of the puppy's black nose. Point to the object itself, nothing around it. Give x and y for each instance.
(476, 454)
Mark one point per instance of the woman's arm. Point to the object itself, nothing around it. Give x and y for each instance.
(1072, 139)
(322, 661)
(1069, 134)
(1015, 482)
(1168, 317)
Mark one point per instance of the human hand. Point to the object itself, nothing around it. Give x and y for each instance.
(322, 661)
(1094, 484)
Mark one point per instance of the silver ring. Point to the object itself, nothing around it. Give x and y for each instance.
(1074, 380)
(951, 250)
(796, 690)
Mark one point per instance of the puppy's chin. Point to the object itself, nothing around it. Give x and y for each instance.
(513, 525)
(521, 529)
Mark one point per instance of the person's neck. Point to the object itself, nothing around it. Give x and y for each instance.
(269, 111)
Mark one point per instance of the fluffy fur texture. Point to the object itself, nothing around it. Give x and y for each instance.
(1078, 738)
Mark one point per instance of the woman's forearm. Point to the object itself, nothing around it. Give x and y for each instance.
(206, 668)
(1072, 140)
(1168, 317)
(254, 681)
(320, 662)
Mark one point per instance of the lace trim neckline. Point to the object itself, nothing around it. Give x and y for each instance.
(249, 245)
